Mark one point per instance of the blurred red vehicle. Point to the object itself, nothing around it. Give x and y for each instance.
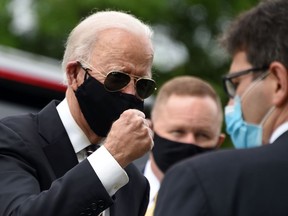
(28, 81)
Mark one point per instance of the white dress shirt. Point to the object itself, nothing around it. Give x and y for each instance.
(112, 180)
(279, 131)
(153, 181)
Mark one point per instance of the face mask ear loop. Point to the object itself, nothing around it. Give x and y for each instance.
(252, 87)
(268, 114)
(256, 83)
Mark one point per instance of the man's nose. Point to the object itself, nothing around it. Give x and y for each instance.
(130, 88)
(190, 138)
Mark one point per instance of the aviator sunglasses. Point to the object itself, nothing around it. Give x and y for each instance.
(117, 80)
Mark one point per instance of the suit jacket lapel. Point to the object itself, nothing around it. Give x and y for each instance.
(58, 150)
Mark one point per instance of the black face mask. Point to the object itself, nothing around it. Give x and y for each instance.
(101, 108)
(167, 152)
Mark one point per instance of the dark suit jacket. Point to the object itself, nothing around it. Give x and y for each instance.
(140, 163)
(248, 182)
(40, 174)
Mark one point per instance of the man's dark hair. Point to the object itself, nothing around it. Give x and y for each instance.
(261, 32)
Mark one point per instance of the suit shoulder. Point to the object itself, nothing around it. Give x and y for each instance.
(18, 121)
(233, 161)
(224, 159)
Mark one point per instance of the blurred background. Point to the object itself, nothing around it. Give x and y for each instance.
(33, 34)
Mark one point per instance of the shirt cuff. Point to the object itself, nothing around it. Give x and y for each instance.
(110, 173)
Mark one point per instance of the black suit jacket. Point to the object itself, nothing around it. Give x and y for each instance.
(248, 182)
(140, 163)
(40, 174)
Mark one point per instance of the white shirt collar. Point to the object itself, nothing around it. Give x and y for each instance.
(153, 181)
(278, 132)
(77, 137)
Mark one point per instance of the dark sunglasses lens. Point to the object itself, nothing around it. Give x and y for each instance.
(145, 87)
(115, 81)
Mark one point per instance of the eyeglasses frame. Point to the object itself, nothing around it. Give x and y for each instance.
(228, 77)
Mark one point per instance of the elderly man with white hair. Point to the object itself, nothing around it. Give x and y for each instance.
(47, 165)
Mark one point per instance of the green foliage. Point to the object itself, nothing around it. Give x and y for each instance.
(195, 23)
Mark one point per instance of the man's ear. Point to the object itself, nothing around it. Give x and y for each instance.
(221, 139)
(72, 71)
(280, 93)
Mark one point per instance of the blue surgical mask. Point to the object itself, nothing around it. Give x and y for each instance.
(242, 133)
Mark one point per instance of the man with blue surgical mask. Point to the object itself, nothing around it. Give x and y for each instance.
(244, 134)
(246, 181)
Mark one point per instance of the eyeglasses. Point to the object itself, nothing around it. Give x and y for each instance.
(117, 80)
(230, 87)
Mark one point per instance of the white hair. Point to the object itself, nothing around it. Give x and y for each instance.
(83, 37)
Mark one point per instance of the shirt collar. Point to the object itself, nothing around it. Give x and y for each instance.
(77, 137)
(153, 181)
(278, 132)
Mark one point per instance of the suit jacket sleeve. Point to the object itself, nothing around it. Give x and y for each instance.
(181, 193)
(25, 191)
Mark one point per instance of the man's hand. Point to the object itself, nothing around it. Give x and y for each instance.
(130, 137)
